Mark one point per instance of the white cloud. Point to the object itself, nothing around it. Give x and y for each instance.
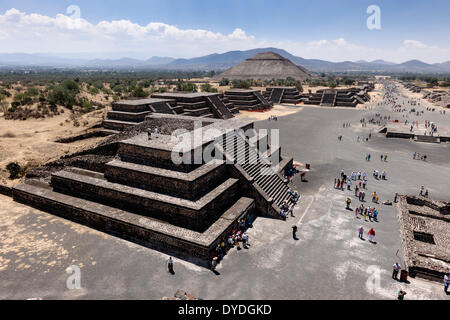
(36, 33)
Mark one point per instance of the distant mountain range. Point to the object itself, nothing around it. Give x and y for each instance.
(218, 62)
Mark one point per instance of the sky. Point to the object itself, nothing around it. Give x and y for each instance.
(334, 30)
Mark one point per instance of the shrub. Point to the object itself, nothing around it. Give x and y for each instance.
(15, 170)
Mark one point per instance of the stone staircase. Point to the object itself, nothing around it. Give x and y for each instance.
(218, 108)
(262, 100)
(328, 99)
(259, 168)
(276, 95)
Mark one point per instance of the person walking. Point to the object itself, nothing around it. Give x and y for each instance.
(396, 270)
(396, 197)
(245, 240)
(348, 203)
(294, 232)
(371, 234)
(170, 265)
(361, 232)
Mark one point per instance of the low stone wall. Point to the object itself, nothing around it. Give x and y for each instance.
(392, 134)
(6, 191)
(128, 116)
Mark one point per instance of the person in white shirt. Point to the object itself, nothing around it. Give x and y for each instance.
(396, 268)
(170, 265)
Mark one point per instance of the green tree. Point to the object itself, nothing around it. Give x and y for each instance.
(138, 92)
(206, 87)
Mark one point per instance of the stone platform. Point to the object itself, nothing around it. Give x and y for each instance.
(425, 226)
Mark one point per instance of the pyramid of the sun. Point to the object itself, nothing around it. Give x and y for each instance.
(266, 66)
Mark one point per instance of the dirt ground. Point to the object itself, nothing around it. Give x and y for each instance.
(32, 142)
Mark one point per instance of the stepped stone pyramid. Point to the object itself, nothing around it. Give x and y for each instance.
(340, 97)
(288, 95)
(265, 66)
(247, 99)
(183, 209)
(128, 113)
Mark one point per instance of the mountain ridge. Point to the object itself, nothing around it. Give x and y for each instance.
(219, 62)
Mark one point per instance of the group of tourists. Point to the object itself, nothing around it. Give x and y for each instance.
(377, 175)
(418, 156)
(234, 240)
(346, 125)
(371, 234)
(287, 207)
(367, 212)
(424, 192)
(347, 180)
(150, 132)
(273, 118)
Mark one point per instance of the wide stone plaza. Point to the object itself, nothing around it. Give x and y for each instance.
(328, 261)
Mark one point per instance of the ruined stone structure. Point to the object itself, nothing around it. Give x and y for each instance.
(181, 208)
(247, 99)
(424, 226)
(266, 66)
(129, 113)
(412, 87)
(339, 97)
(288, 95)
(439, 98)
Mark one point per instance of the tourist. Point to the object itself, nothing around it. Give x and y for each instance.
(426, 193)
(230, 242)
(371, 234)
(396, 268)
(294, 232)
(149, 133)
(349, 185)
(214, 263)
(446, 282)
(170, 265)
(361, 232)
(348, 202)
(422, 188)
(401, 295)
(156, 133)
(396, 197)
(245, 240)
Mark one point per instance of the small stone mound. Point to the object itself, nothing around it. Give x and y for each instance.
(181, 295)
